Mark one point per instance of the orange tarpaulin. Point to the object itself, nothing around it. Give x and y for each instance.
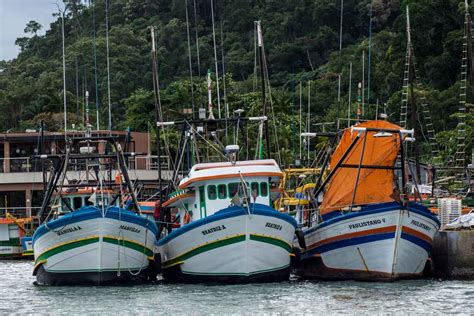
(374, 185)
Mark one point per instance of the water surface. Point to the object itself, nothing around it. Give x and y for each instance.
(19, 294)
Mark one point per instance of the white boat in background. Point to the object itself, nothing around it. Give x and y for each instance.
(229, 232)
(12, 234)
(365, 229)
(88, 237)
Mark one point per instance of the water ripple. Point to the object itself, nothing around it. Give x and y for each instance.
(19, 295)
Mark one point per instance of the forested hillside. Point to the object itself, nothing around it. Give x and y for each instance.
(301, 43)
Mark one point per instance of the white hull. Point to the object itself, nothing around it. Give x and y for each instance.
(10, 251)
(230, 246)
(385, 243)
(93, 246)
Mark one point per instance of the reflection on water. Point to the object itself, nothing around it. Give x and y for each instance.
(19, 294)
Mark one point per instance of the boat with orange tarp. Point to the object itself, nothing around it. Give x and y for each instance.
(365, 227)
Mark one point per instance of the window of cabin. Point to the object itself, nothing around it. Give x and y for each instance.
(202, 198)
(222, 191)
(211, 192)
(264, 189)
(254, 189)
(233, 189)
(77, 202)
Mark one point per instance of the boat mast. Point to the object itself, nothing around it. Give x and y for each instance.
(349, 97)
(369, 53)
(339, 62)
(95, 69)
(64, 71)
(158, 118)
(308, 127)
(409, 92)
(215, 61)
(209, 95)
(363, 83)
(108, 62)
(466, 74)
(300, 119)
(262, 74)
(189, 58)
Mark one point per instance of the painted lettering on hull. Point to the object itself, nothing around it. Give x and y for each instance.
(130, 229)
(68, 230)
(274, 226)
(367, 223)
(421, 225)
(213, 230)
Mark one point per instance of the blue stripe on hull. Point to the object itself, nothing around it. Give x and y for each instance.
(348, 242)
(337, 216)
(417, 241)
(233, 211)
(87, 213)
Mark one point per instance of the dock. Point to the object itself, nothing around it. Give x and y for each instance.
(453, 254)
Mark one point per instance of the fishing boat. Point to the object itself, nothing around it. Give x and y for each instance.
(12, 233)
(87, 236)
(365, 228)
(229, 232)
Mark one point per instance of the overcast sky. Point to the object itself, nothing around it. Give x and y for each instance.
(14, 14)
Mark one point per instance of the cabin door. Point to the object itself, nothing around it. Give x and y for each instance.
(202, 202)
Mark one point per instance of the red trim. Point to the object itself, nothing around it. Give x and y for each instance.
(416, 233)
(178, 197)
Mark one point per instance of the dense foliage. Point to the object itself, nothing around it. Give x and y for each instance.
(301, 42)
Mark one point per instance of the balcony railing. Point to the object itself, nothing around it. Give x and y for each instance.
(19, 212)
(27, 164)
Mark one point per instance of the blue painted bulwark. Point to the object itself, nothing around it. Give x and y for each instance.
(337, 216)
(91, 212)
(232, 211)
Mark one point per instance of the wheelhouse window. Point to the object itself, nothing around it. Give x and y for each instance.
(222, 191)
(264, 189)
(211, 192)
(254, 189)
(233, 189)
(76, 202)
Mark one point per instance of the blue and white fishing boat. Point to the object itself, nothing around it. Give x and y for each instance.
(87, 236)
(229, 232)
(365, 228)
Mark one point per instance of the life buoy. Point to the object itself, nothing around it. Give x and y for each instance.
(187, 218)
